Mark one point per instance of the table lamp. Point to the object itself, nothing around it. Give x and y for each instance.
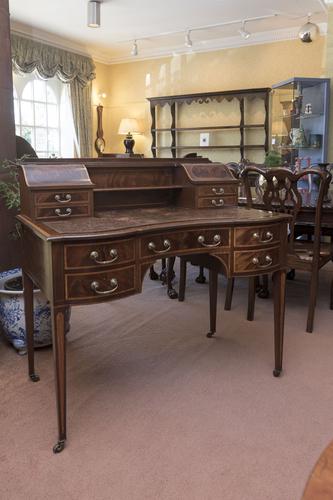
(128, 127)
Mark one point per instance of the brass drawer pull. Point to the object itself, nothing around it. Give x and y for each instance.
(218, 203)
(67, 213)
(268, 260)
(267, 237)
(216, 239)
(166, 244)
(218, 190)
(94, 255)
(65, 199)
(95, 287)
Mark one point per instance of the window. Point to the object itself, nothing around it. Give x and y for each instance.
(39, 110)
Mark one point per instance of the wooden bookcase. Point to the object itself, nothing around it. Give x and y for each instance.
(237, 122)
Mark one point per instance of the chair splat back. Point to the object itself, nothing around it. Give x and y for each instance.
(278, 190)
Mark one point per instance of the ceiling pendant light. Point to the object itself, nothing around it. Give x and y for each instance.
(243, 32)
(94, 13)
(309, 31)
(134, 51)
(188, 41)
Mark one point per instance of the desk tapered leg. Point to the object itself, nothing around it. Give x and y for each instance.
(29, 324)
(212, 301)
(279, 283)
(59, 353)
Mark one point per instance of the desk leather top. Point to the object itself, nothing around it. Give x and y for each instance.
(127, 222)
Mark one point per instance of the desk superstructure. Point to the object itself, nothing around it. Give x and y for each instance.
(91, 230)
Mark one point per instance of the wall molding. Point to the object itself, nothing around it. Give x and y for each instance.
(157, 53)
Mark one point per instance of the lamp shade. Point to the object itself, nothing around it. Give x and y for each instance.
(129, 126)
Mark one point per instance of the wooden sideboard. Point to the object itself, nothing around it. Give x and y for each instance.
(91, 230)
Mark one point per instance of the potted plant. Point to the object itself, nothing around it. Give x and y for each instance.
(12, 320)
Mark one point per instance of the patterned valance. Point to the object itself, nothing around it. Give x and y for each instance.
(29, 55)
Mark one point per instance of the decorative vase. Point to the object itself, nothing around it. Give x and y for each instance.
(12, 318)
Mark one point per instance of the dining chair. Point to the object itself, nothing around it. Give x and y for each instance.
(281, 190)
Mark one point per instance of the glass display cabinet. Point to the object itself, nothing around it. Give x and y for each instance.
(300, 111)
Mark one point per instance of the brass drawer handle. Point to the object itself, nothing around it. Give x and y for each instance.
(267, 237)
(67, 213)
(166, 244)
(218, 203)
(218, 190)
(95, 287)
(94, 255)
(268, 260)
(65, 199)
(216, 239)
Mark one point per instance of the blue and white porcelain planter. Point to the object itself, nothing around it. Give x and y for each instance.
(12, 315)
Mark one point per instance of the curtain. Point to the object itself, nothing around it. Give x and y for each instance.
(29, 55)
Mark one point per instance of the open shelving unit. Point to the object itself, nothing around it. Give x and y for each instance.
(174, 129)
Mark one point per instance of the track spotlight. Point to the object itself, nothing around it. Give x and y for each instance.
(188, 41)
(94, 13)
(134, 51)
(308, 32)
(243, 32)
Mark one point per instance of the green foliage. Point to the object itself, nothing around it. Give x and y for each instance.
(273, 159)
(10, 192)
(9, 185)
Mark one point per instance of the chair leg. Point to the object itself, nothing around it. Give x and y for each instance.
(213, 274)
(264, 291)
(182, 279)
(312, 299)
(229, 294)
(331, 295)
(201, 276)
(251, 298)
(170, 275)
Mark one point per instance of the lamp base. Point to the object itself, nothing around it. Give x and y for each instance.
(129, 144)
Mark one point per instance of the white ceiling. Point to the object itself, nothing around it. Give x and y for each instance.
(64, 22)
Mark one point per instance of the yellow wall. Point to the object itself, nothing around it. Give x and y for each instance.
(128, 85)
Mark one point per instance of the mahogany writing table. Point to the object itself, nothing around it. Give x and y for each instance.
(81, 248)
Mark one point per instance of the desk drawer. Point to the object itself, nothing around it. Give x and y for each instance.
(100, 285)
(184, 241)
(257, 260)
(99, 255)
(217, 201)
(63, 212)
(217, 190)
(60, 198)
(261, 235)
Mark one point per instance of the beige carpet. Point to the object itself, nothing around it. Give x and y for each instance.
(158, 411)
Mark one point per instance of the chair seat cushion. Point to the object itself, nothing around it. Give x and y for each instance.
(303, 250)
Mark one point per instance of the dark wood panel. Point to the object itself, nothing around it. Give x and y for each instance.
(57, 212)
(61, 197)
(9, 250)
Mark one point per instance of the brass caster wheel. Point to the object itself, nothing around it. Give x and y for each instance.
(172, 294)
(210, 334)
(59, 446)
(277, 373)
(200, 279)
(34, 377)
(163, 276)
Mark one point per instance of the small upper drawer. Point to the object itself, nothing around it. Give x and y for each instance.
(262, 235)
(63, 212)
(100, 285)
(257, 260)
(217, 190)
(61, 197)
(217, 201)
(99, 255)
